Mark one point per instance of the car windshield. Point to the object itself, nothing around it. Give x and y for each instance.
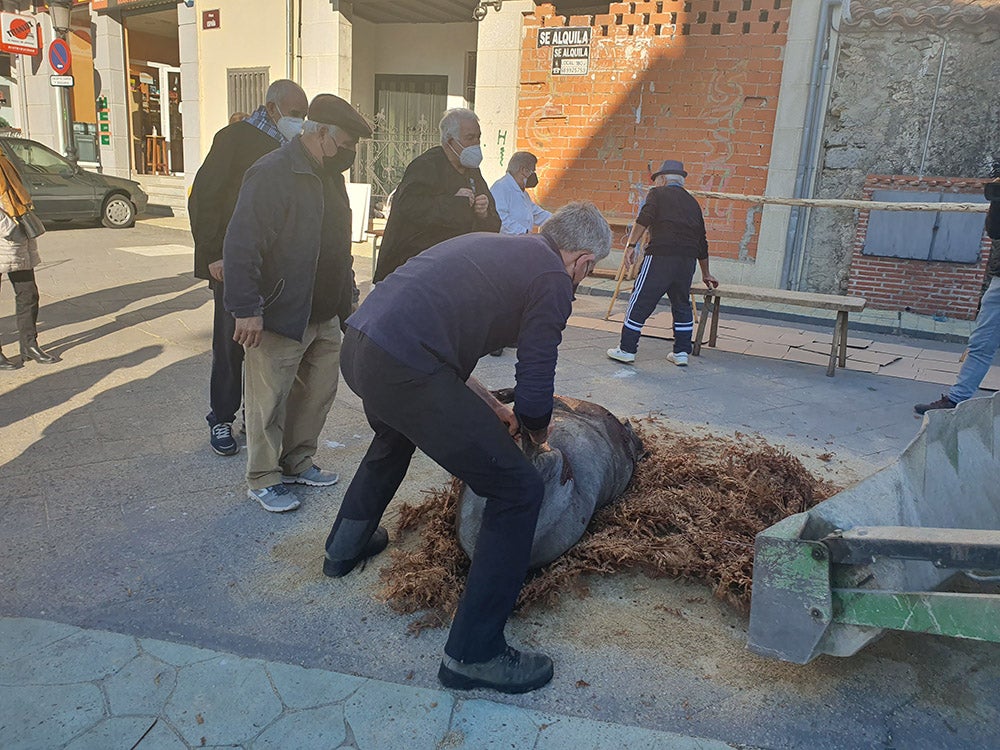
(37, 158)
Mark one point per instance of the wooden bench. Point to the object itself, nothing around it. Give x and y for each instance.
(842, 304)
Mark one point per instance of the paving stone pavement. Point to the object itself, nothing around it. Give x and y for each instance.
(63, 687)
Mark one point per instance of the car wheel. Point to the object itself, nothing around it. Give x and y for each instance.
(118, 212)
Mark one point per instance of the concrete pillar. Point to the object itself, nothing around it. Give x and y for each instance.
(326, 48)
(109, 62)
(187, 39)
(786, 145)
(498, 75)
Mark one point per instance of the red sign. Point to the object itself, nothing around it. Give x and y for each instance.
(19, 34)
(59, 56)
(210, 19)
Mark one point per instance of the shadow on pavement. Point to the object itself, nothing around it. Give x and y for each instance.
(75, 310)
(42, 393)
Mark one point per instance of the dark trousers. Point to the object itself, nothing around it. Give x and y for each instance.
(661, 275)
(25, 305)
(439, 414)
(226, 387)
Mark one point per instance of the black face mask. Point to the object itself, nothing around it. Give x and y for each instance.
(340, 161)
(532, 181)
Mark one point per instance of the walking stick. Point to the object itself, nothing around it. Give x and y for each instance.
(618, 286)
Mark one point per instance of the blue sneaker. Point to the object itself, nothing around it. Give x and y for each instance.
(313, 476)
(277, 498)
(222, 440)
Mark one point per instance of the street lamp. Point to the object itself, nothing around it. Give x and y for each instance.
(479, 12)
(59, 11)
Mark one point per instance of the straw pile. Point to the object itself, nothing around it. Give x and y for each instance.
(692, 509)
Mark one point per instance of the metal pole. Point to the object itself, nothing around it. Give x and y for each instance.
(66, 118)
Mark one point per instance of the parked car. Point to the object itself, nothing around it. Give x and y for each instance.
(62, 191)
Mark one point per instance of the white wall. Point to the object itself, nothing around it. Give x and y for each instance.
(410, 49)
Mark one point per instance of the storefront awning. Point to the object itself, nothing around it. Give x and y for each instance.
(131, 4)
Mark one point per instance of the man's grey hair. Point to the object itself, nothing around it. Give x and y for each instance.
(520, 160)
(451, 123)
(674, 179)
(280, 89)
(579, 226)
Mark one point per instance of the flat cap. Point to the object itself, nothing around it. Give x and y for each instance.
(332, 110)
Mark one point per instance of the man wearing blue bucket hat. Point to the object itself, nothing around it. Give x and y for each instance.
(676, 228)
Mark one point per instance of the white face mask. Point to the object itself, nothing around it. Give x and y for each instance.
(289, 127)
(471, 156)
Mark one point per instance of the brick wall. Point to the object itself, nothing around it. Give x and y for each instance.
(919, 286)
(695, 80)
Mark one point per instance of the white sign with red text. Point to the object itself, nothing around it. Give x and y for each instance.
(19, 34)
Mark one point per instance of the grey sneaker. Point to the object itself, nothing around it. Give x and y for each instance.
(619, 355)
(277, 498)
(313, 476)
(512, 671)
(678, 358)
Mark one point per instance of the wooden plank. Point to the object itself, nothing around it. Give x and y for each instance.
(786, 297)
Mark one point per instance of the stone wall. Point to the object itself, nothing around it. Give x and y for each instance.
(888, 77)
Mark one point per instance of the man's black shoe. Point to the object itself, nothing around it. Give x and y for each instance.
(339, 568)
(942, 403)
(512, 671)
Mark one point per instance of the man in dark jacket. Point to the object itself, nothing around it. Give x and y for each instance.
(210, 206)
(409, 352)
(677, 239)
(442, 195)
(287, 257)
(984, 341)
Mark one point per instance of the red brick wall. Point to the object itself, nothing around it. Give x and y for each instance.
(696, 81)
(919, 286)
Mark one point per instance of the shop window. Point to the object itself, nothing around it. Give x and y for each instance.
(470, 78)
(925, 235)
(247, 89)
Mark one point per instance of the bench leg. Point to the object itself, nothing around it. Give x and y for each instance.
(842, 322)
(703, 319)
(715, 321)
(838, 348)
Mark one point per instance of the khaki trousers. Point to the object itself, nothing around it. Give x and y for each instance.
(289, 389)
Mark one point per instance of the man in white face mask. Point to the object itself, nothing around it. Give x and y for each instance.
(442, 195)
(213, 199)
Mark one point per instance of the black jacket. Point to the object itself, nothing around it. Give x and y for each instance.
(675, 222)
(993, 232)
(217, 185)
(425, 210)
(289, 241)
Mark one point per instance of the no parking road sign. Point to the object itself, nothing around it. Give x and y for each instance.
(59, 56)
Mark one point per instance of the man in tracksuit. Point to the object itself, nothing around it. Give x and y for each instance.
(409, 352)
(676, 226)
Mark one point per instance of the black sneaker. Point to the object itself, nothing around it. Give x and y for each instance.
(942, 403)
(222, 440)
(339, 568)
(512, 671)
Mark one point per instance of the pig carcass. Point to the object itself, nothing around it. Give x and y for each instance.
(589, 462)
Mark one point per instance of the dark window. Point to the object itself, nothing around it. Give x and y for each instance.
(925, 235)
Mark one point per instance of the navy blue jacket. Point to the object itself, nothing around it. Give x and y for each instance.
(467, 296)
(273, 243)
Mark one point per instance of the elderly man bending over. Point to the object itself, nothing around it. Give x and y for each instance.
(409, 352)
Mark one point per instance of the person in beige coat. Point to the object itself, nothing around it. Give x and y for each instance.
(18, 258)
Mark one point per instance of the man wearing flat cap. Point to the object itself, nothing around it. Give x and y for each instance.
(289, 285)
(676, 228)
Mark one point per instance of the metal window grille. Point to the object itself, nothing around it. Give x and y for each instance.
(247, 88)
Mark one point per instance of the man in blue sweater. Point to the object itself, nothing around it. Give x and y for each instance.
(409, 353)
